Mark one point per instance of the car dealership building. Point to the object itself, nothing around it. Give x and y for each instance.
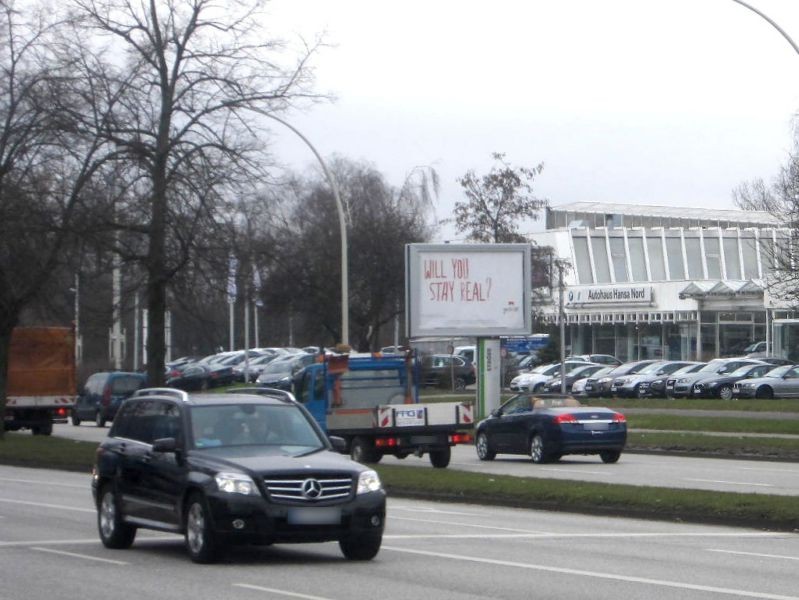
(665, 282)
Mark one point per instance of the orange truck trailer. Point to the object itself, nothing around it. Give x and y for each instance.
(41, 378)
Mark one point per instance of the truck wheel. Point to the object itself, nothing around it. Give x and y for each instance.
(75, 419)
(46, 429)
(360, 547)
(114, 532)
(361, 451)
(99, 419)
(440, 458)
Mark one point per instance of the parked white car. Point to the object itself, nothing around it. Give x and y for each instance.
(533, 381)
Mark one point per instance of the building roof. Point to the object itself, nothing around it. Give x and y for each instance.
(670, 212)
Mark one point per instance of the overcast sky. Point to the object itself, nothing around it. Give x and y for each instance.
(662, 102)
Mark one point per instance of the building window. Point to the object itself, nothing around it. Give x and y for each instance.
(749, 250)
(637, 258)
(619, 257)
(713, 257)
(731, 258)
(654, 247)
(582, 259)
(766, 254)
(693, 255)
(674, 254)
(600, 259)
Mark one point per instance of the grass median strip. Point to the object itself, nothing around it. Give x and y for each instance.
(753, 510)
(715, 424)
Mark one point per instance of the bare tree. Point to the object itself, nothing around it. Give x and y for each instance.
(306, 267)
(45, 163)
(781, 200)
(497, 201)
(184, 78)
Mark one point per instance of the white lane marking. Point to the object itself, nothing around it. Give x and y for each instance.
(579, 471)
(47, 483)
(730, 482)
(757, 554)
(451, 523)
(165, 537)
(550, 536)
(596, 574)
(43, 505)
(82, 556)
(279, 592)
(437, 511)
(791, 471)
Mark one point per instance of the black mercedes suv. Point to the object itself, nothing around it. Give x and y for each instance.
(232, 469)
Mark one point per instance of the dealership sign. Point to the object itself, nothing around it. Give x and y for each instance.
(630, 294)
(467, 289)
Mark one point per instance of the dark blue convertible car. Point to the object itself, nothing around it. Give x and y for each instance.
(547, 428)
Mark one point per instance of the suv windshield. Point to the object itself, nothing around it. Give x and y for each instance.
(283, 427)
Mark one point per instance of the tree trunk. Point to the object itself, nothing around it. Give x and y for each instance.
(6, 327)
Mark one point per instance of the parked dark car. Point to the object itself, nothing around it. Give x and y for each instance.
(546, 429)
(629, 386)
(280, 373)
(603, 386)
(720, 386)
(221, 470)
(103, 393)
(657, 387)
(682, 386)
(445, 370)
(191, 378)
(554, 385)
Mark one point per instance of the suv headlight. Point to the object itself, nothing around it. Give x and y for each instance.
(368, 481)
(236, 483)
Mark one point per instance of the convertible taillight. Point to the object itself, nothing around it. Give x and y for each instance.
(619, 418)
(565, 418)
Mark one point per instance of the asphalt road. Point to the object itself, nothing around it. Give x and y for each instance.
(49, 549)
(743, 476)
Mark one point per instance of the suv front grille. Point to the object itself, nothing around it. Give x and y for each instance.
(309, 488)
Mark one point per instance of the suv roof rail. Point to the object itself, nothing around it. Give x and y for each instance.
(265, 391)
(162, 391)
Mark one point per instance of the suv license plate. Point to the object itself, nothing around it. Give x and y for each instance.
(314, 516)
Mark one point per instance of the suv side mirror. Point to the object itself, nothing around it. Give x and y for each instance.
(169, 444)
(496, 412)
(339, 444)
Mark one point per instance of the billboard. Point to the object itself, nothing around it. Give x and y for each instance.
(467, 290)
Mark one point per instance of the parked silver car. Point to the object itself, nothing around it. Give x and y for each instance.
(780, 382)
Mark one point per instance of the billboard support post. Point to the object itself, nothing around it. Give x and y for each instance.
(489, 381)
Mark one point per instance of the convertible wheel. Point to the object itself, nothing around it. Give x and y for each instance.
(484, 452)
(725, 392)
(537, 450)
(610, 456)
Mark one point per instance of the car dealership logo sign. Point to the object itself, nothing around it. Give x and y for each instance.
(638, 294)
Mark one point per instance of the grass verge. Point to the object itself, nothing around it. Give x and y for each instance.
(51, 452)
(721, 446)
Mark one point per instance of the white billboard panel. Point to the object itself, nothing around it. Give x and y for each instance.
(467, 289)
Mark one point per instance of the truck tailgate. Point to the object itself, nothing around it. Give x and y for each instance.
(454, 414)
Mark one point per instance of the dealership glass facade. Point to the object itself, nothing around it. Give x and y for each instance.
(691, 292)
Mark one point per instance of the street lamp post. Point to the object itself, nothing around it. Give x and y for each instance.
(345, 310)
(770, 22)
